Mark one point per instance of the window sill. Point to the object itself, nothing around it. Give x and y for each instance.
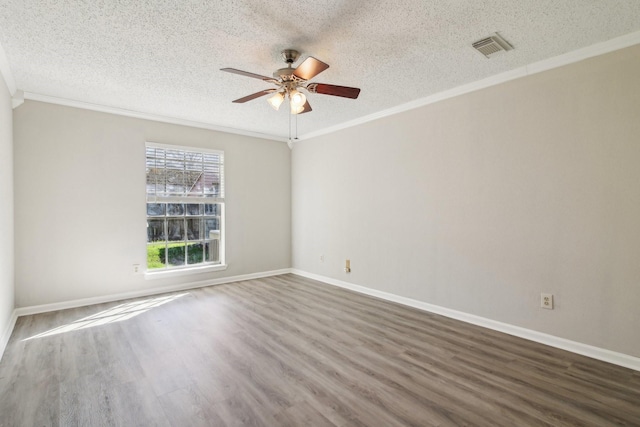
(163, 274)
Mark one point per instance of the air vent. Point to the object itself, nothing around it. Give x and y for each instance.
(492, 45)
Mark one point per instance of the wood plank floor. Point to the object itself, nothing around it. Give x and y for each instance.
(288, 351)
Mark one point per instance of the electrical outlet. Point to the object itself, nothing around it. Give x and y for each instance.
(321, 258)
(546, 301)
(136, 268)
(347, 266)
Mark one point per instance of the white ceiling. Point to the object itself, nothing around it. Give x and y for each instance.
(163, 57)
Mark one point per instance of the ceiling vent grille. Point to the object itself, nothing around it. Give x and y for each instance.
(492, 45)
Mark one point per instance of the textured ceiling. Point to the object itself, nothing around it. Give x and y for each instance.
(163, 57)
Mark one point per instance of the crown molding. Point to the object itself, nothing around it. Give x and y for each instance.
(5, 70)
(146, 116)
(527, 70)
(17, 99)
(534, 68)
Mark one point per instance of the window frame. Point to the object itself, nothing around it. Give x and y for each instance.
(218, 199)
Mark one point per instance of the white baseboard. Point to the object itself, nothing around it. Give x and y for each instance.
(44, 308)
(6, 334)
(605, 355)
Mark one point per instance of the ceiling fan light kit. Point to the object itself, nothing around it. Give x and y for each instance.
(276, 100)
(297, 98)
(297, 109)
(290, 80)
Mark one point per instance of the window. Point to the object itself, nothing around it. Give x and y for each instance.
(185, 207)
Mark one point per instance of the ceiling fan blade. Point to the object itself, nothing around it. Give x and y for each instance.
(254, 96)
(309, 68)
(343, 91)
(245, 73)
(306, 108)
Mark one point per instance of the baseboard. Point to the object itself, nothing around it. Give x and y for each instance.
(6, 334)
(44, 308)
(605, 355)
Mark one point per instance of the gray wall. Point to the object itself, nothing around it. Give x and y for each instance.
(481, 202)
(80, 202)
(6, 210)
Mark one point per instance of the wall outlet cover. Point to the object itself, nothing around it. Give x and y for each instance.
(546, 301)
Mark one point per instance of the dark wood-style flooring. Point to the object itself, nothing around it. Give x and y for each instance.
(287, 351)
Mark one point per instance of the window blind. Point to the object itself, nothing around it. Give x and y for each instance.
(175, 174)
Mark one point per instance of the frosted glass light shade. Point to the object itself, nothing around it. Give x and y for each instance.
(296, 109)
(276, 100)
(297, 98)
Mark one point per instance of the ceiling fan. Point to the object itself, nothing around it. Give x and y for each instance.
(290, 80)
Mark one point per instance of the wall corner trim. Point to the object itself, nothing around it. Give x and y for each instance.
(5, 70)
(602, 354)
(6, 334)
(17, 99)
(44, 308)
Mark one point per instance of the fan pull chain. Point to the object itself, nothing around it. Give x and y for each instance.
(290, 143)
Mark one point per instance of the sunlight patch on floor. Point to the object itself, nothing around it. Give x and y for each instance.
(118, 313)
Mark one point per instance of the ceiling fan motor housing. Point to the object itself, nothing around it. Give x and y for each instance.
(290, 55)
(286, 74)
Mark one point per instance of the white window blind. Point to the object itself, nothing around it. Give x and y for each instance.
(181, 174)
(185, 208)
